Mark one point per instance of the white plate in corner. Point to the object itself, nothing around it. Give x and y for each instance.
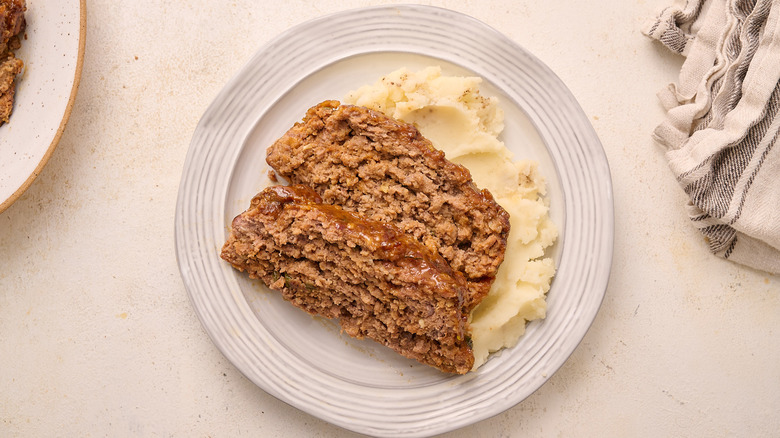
(306, 361)
(53, 52)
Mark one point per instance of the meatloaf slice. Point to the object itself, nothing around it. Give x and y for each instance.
(387, 171)
(381, 283)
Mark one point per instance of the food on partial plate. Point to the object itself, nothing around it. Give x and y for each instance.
(371, 164)
(466, 125)
(12, 24)
(397, 221)
(380, 282)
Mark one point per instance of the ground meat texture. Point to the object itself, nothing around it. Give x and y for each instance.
(9, 68)
(11, 21)
(381, 283)
(385, 170)
(12, 24)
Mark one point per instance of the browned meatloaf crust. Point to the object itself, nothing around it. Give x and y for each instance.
(11, 25)
(386, 170)
(11, 21)
(381, 283)
(9, 68)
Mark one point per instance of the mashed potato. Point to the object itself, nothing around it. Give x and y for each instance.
(451, 113)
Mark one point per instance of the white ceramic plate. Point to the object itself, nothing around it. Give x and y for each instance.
(306, 361)
(52, 53)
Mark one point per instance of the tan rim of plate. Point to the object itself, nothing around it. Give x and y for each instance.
(79, 62)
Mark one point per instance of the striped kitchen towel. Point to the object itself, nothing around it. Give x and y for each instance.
(722, 127)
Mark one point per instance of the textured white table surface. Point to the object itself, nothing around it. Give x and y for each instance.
(97, 334)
